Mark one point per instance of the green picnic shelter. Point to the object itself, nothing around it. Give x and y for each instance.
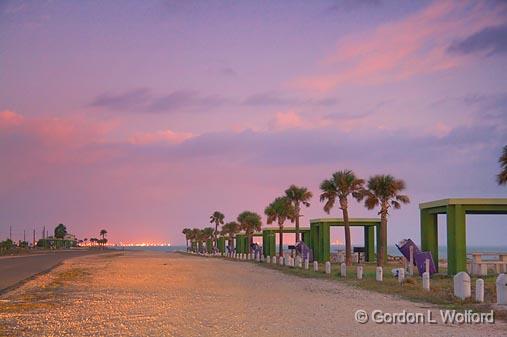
(456, 210)
(320, 236)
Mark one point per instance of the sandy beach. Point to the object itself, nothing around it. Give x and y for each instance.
(170, 294)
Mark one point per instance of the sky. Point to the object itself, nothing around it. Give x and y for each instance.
(144, 117)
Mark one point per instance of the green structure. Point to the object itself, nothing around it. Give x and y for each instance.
(320, 236)
(221, 244)
(269, 238)
(456, 211)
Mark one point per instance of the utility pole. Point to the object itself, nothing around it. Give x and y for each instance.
(10, 232)
(24, 235)
(33, 242)
(44, 232)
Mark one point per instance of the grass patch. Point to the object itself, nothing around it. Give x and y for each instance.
(61, 278)
(441, 293)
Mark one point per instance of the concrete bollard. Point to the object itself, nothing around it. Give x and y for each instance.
(307, 264)
(501, 289)
(427, 265)
(281, 261)
(411, 262)
(483, 271)
(263, 258)
(328, 267)
(426, 281)
(359, 271)
(401, 275)
(479, 290)
(268, 259)
(379, 274)
(300, 263)
(462, 286)
(257, 257)
(315, 266)
(343, 270)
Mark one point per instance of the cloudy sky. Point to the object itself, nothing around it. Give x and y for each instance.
(144, 117)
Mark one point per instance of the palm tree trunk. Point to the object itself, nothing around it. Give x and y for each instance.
(383, 237)
(280, 242)
(348, 244)
(215, 238)
(297, 224)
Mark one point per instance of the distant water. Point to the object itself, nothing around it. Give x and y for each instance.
(153, 248)
(391, 250)
(442, 250)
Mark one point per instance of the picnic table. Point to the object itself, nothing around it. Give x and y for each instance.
(479, 266)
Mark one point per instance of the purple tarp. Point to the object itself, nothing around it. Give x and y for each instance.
(303, 250)
(419, 257)
(404, 247)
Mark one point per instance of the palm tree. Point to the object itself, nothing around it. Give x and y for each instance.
(341, 185)
(231, 229)
(298, 196)
(207, 234)
(103, 233)
(195, 237)
(502, 176)
(188, 233)
(383, 191)
(218, 219)
(249, 222)
(280, 210)
(60, 231)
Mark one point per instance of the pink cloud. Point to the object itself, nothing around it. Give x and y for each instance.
(398, 50)
(287, 120)
(9, 119)
(161, 136)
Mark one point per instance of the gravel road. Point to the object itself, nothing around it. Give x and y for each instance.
(170, 294)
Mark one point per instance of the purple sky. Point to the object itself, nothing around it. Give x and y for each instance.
(144, 117)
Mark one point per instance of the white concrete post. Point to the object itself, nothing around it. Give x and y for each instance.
(379, 274)
(359, 272)
(307, 264)
(501, 289)
(427, 265)
(315, 266)
(300, 262)
(401, 275)
(258, 257)
(483, 271)
(263, 258)
(328, 267)
(426, 281)
(479, 290)
(411, 262)
(268, 259)
(281, 261)
(343, 270)
(462, 286)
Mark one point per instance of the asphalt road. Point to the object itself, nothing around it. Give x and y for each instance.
(16, 269)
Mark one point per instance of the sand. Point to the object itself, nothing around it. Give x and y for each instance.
(170, 294)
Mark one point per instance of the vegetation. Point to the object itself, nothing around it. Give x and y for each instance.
(341, 185)
(383, 191)
(188, 235)
(216, 218)
(502, 176)
(60, 231)
(280, 210)
(250, 222)
(6, 245)
(298, 196)
(230, 229)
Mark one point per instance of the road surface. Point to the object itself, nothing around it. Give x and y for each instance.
(15, 269)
